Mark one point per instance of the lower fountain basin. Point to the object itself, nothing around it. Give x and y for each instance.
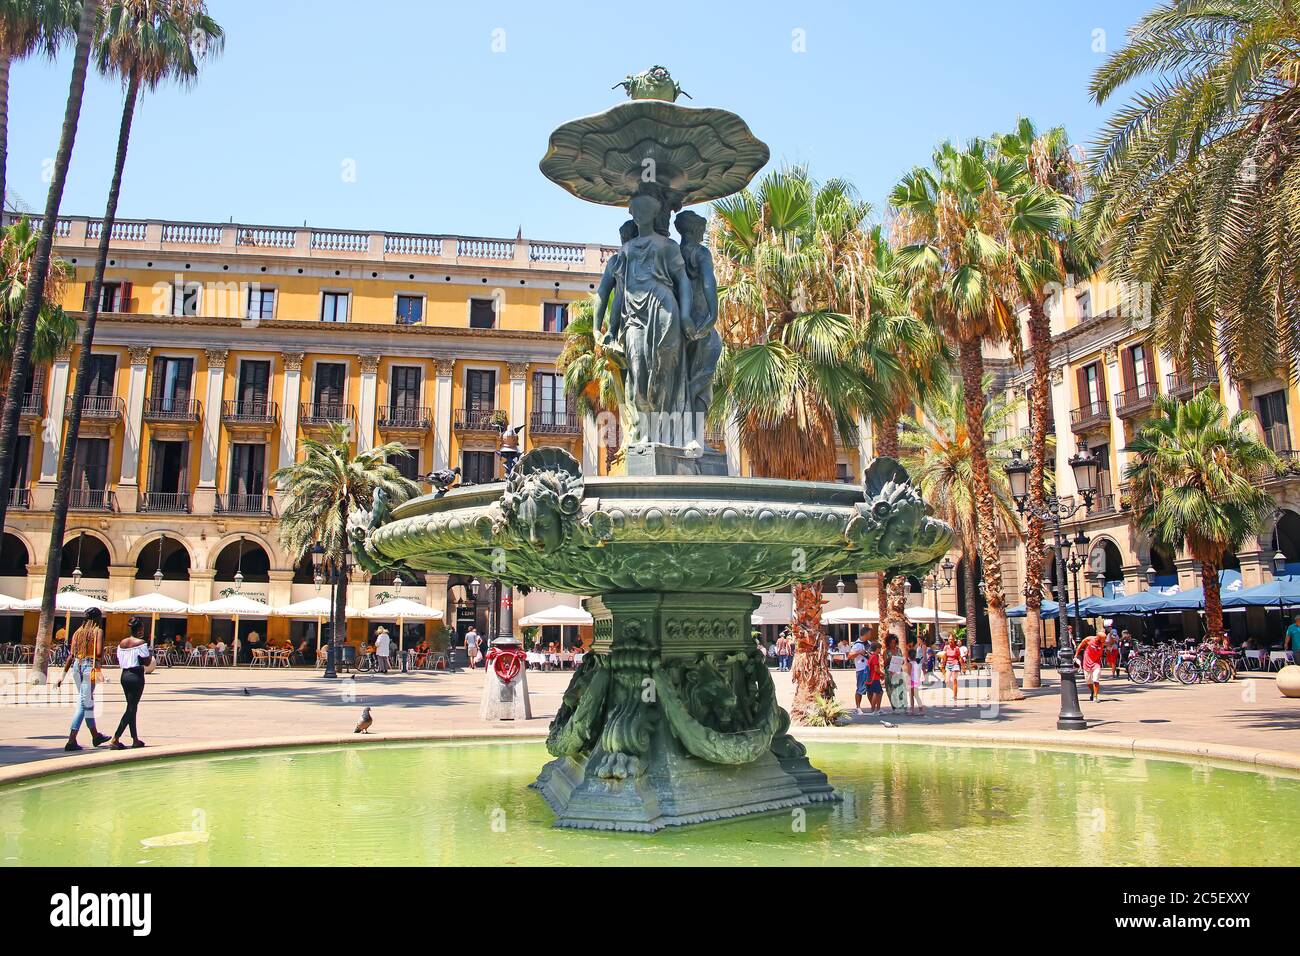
(448, 804)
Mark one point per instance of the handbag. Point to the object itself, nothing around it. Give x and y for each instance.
(96, 672)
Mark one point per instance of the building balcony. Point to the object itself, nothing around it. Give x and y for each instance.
(716, 436)
(325, 414)
(233, 504)
(165, 502)
(98, 408)
(253, 414)
(32, 408)
(403, 418)
(92, 499)
(20, 499)
(1135, 401)
(1185, 384)
(554, 423)
(477, 419)
(1091, 416)
(172, 411)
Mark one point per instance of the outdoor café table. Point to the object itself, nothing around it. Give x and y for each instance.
(577, 659)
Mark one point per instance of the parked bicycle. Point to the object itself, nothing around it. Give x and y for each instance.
(1203, 664)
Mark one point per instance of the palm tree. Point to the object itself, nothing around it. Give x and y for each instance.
(25, 331)
(593, 375)
(319, 491)
(1196, 478)
(797, 268)
(926, 364)
(936, 450)
(1044, 257)
(55, 329)
(1194, 179)
(144, 42)
(954, 222)
(26, 27)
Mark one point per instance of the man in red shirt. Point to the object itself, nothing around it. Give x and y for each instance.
(1091, 649)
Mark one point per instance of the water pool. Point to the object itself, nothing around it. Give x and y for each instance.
(468, 803)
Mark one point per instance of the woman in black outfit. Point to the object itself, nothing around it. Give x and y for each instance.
(134, 657)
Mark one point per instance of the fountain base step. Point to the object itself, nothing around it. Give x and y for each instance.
(674, 789)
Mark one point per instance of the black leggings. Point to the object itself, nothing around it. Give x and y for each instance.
(133, 687)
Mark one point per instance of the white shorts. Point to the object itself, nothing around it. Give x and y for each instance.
(1092, 675)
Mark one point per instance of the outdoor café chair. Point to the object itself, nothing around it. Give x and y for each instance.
(1278, 659)
(1254, 660)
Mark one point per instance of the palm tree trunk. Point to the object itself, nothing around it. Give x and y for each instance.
(1213, 599)
(68, 455)
(890, 600)
(5, 60)
(968, 559)
(811, 671)
(972, 374)
(1040, 347)
(21, 360)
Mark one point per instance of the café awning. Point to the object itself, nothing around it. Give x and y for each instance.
(236, 606)
(65, 602)
(149, 604)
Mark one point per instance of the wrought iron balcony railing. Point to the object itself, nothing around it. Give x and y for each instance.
(92, 499)
(236, 504)
(249, 412)
(476, 419)
(404, 418)
(98, 408)
(325, 413)
(1090, 415)
(1134, 401)
(554, 423)
(165, 502)
(171, 410)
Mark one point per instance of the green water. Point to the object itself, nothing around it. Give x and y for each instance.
(451, 804)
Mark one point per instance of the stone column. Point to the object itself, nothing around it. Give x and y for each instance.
(121, 579)
(128, 487)
(279, 591)
(590, 445)
(366, 404)
(35, 581)
(289, 408)
(52, 428)
(205, 494)
(201, 585)
(1115, 436)
(732, 439)
(443, 366)
(518, 393)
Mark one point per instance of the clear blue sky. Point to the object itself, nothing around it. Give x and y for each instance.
(445, 133)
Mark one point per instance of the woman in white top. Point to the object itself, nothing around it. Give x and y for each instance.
(133, 656)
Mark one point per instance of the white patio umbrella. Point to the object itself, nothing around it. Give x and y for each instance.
(562, 615)
(399, 609)
(917, 614)
(235, 606)
(8, 605)
(151, 604)
(67, 603)
(851, 615)
(317, 609)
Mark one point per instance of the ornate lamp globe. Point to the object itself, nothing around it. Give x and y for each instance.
(1279, 563)
(1084, 464)
(1017, 470)
(947, 568)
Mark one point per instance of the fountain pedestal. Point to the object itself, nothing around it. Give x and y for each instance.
(672, 719)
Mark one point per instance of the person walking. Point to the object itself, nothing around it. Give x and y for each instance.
(1090, 652)
(383, 647)
(472, 643)
(858, 654)
(83, 661)
(783, 653)
(913, 662)
(953, 664)
(135, 658)
(1292, 642)
(895, 679)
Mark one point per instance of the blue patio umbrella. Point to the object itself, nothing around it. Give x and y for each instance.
(1193, 599)
(1280, 593)
(1144, 602)
(1048, 610)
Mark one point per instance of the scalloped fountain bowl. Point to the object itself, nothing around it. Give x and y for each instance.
(672, 719)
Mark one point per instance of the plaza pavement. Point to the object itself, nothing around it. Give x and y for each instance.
(185, 708)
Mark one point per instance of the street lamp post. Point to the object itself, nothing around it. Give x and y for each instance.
(508, 452)
(1084, 465)
(318, 568)
(934, 584)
